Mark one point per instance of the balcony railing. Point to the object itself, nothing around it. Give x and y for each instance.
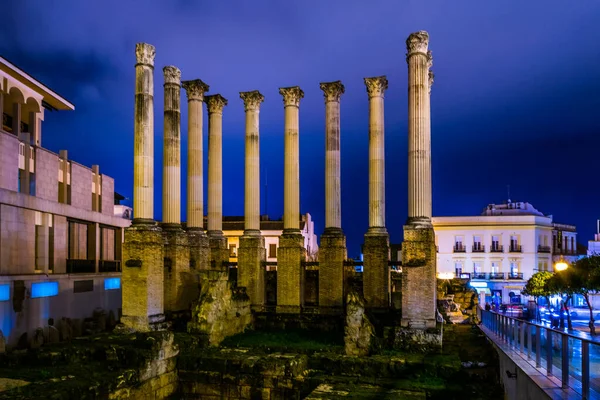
(564, 252)
(515, 275)
(497, 275)
(109, 266)
(515, 248)
(81, 266)
(497, 248)
(480, 275)
(460, 248)
(478, 248)
(544, 249)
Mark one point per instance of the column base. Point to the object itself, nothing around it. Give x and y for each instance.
(419, 222)
(144, 324)
(332, 254)
(376, 270)
(180, 285)
(143, 275)
(251, 270)
(290, 273)
(419, 284)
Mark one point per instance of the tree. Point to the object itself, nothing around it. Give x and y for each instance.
(536, 287)
(564, 283)
(586, 281)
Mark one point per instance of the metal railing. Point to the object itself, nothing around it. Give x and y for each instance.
(574, 360)
(515, 248)
(497, 249)
(460, 248)
(544, 249)
(478, 248)
(109, 266)
(515, 275)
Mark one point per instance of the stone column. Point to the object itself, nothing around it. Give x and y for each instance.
(332, 251)
(143, 249)
(197, 239)
(179, 288)
(376, 271)
(419, 288)
(291, 253)
(251, 273)
(218, 243)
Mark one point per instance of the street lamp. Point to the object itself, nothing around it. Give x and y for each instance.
(561, 266)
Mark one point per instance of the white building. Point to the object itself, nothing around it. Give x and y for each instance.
(233, 229)
(594, 245)
(501, 248)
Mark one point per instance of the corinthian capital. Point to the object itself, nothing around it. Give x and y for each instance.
(291, 95)
(376, 86)
(195, 89)
(332, 90)
(172, 75)
(215, 103)
(144, 54)
(429, 59)
(252, 99)
(417, 43)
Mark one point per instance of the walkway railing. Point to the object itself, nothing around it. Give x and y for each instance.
(573, 360)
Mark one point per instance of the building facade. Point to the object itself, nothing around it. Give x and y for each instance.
(60, 242)
(271, 230)
(501, 248)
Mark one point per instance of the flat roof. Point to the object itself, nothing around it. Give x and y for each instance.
(53, 99)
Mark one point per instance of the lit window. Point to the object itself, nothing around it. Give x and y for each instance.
(44, 289)
(112, 283)
(4, 292)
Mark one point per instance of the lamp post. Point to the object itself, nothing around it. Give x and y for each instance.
(561, 265)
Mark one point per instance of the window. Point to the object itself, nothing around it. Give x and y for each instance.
(495, 267)
(477, 267)
(83, 286)
(96, 192)
(459, 243)
(78, 241)
(107, 244)
(44, 289)
(64, 185)
(496, 243)
(477, 243)
(514, 268)
(458, 266)
(272, 250)
(232, 250)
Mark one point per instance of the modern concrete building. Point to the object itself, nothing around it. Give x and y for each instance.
(60, 241)
(502, 247)
(233, 229)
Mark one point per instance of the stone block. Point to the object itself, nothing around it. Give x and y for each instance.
(143, 276)
(376, 271)
(251, 271)
(180, 287)
(290, 273)
(419, 284)
(332, 254)
(199, 250)
(219, 252)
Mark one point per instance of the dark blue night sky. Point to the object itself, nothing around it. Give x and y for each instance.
(516, 98)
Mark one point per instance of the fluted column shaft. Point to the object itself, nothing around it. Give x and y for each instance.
(215, 104)
(291, 173)
(143, 158)
(195, 187)
(332, 92)
(252, 102)
(419, 129)
(376, 88)
(172, 147)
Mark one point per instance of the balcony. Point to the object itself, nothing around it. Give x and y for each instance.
(460, 248)
(515, 275)
(544, 249)
(109, 266)
(81, 266)
(480, 276)
(564, 252)
(515, 248)
(478, 248)
(497, 248)
(497, 275)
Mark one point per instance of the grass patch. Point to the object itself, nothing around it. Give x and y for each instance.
(287, 340)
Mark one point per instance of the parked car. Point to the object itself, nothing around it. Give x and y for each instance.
(584, 313)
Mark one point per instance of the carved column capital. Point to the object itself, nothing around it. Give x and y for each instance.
(172, 75)
(332, 90)
(429, 59)
(195, 89)
(431, 76)
(291, 95)
(144, 54)
(376, 86)
(252, 99)
(417, 43)
(215, 103)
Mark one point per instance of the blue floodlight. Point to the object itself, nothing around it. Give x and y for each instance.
(44, 289)
(112, 283)
(478, 284)
(5, 292)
